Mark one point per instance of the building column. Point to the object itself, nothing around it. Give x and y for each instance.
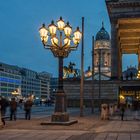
(114, 51)
(95, 59)
(120, 72)
(120, 62)
(138, 59)
(104, 58)
(109, 59)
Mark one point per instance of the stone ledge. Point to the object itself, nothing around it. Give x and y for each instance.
(60, 123)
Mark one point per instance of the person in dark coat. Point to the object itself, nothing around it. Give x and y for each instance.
(4, 104)
(13, 109)
(27, 108)
(2, 118)
(131, 75)
(122, 112)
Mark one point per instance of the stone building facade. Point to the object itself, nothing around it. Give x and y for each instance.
(102, 53)
(27, 82)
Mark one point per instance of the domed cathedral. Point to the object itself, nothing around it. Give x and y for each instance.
(102, 55)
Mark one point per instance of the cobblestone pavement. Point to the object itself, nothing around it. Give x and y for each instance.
(88, 128)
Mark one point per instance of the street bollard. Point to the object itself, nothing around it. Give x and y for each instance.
(104, 112)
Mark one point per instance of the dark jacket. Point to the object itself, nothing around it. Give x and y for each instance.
(13, 105)
(4, 104)
(28, 105)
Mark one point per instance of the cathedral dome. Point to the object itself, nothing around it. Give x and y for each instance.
(102, 34)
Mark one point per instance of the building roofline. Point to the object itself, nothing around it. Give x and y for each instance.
(110, 4)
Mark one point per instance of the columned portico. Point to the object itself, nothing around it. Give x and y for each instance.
(125, 31)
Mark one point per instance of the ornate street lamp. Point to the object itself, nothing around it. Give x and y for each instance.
(58, 38)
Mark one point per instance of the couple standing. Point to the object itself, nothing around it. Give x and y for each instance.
(27, 109)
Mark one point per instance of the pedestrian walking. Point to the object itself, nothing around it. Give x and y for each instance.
(3, 105)
(40, 102)
(2, 121)
(122, 113)
(27, 108)
(111, 110)
(13, 109)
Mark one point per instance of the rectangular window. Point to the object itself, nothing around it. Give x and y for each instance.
(3, 89)
(4, 84)
(11, 85)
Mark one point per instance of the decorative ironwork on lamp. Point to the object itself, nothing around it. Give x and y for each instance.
(60, 47)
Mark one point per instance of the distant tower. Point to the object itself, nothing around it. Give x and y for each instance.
(102, 49)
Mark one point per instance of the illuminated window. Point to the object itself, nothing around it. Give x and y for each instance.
(105, 63)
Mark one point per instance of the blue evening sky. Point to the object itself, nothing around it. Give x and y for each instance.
(19, 38)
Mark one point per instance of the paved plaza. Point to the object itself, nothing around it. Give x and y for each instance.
(89, 127)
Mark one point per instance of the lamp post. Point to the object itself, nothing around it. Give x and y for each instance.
(82, 72)
(92, 93)
(99, 70)
(60, 47)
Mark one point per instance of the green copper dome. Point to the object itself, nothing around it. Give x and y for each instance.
(102, 34)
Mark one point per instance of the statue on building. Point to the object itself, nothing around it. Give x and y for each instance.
(70, 71)
(88, 73)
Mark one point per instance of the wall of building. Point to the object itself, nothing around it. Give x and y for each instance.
(10, 79)
(103, 50)
(30, 83)
(13, 78)
(45, 84)
(9, 83)
(109, 91)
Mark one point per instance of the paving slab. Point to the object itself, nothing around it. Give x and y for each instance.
(89, 127)
(135, 136)
(125, 136)
(101, 136)
(112, 136)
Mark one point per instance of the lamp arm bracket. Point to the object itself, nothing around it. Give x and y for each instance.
(65, 45)
(55, 44)
(74, 47)
(47, 46)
